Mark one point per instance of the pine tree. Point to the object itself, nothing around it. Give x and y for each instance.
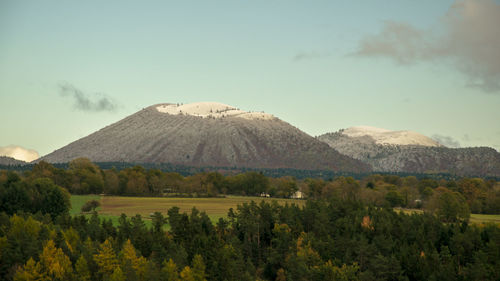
(199, 269)
(82, 269)
(169, 271)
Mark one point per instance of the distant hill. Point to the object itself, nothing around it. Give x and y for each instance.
(9, 161)
(413, 153)
(206, 134)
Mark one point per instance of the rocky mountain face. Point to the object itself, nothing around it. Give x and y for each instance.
(420, 157)
(9, 161)
(206, 134)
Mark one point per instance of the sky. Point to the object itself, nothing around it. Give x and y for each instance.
(70, 68)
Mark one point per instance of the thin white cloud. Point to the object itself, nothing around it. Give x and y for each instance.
(446, 141)
(470, 39)
(19, 153)
(85, 102)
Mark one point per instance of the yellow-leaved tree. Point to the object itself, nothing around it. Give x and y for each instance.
(31, 271)
(187, 274)
(197, 273)
(106, 259)
(344, 273)
(55, 263)
(117, 275)
(131, 263)
(72, 239)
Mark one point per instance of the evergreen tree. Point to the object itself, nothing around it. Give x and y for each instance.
(198, 269)
(169, 271)
(81, 269)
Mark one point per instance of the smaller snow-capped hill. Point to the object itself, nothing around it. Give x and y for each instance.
(211, 110)
(400, 151)
(384, 136)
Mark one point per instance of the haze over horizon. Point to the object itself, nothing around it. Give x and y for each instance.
(68, 69)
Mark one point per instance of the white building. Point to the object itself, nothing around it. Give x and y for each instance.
(298, 195)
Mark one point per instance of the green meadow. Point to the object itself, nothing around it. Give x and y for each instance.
(113, 206)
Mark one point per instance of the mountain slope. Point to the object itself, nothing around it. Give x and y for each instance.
(9, 161)
(206, 134)
(417, 157)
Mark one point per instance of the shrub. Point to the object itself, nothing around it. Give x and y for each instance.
(90, 205)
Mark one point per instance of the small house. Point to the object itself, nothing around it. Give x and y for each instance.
(298, 195)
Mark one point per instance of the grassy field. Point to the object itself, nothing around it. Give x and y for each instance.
(77, 202)
(214, 207)
(474, 218)
(480, 218)
(113, 206)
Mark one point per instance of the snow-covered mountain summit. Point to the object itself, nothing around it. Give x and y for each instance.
(210, 110)
(384, 136)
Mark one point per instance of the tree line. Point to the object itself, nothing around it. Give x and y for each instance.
(448, 198)
(269, 172)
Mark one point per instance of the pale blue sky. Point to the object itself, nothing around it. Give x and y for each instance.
(294, 59)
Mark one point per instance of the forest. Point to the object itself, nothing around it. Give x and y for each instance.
(476, 195)
(347, 229)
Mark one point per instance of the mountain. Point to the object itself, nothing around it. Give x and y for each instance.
(206, 134)
(9, 161)
(407, 151)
